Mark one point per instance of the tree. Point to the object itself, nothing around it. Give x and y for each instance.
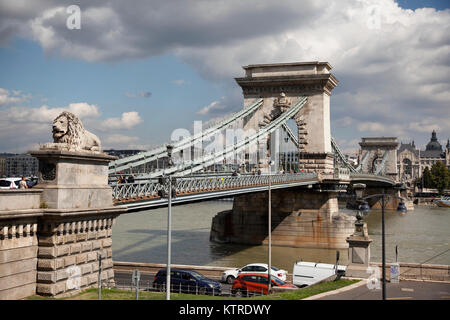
(440, 176)
(426, 178)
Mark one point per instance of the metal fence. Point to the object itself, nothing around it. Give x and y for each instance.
(157, 188)
(225, 291)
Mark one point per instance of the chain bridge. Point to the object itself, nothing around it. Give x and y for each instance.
(287, 102)
(54, 237)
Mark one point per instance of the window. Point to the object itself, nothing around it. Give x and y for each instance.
(247, 269)
(186, 276)
(162, 274)
(262, 280)
(253, 279)
(260, 269)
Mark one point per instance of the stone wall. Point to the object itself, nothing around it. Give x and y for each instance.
(69, 249)
(316, 162)
(300, 218)
(18, 254)
(16, 199)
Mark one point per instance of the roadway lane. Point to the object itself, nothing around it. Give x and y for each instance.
(404, 290)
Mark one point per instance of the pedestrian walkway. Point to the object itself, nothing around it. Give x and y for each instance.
(404, 290)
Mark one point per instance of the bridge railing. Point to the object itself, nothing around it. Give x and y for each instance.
(156, 188)
(135, 190)
(371, 177)
(341, 173)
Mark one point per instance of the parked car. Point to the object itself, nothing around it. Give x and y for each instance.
(9, 183)
(255, 283)
(308, 273)
(228, 276)
(187, 281)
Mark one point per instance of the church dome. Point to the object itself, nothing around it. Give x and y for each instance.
(434, 143)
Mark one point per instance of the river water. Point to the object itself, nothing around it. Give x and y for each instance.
(422, 235)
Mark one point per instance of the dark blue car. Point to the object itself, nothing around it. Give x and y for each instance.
(187, 281)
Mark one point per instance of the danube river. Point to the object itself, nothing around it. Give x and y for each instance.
(422, 236)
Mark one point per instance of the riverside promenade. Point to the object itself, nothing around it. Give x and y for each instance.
(417, 282)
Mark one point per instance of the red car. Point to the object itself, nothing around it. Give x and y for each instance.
(251, 283)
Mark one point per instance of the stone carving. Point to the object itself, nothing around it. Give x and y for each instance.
(69, 134)
(48, 170)
(282, 102)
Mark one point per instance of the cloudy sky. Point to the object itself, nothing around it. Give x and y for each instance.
(135, 71)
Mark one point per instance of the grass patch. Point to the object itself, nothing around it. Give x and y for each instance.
(116, 294)
(307, 291)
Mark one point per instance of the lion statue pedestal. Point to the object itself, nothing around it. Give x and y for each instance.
(73, 180)
(75, 228)
(72, 170)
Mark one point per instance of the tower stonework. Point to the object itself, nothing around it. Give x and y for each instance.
(291, 81)
(379, 154)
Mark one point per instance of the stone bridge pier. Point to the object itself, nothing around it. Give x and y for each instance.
(301, 217)
(391, 203)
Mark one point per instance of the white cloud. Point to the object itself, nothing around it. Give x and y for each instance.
(371, 127)
(118, 139)
(84, 110)
(212, 107)
(45, 114)
(128, 120)
(12, 98)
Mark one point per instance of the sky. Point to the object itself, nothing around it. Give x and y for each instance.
(135, 73)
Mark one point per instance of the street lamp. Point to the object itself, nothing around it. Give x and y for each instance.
(270, 229)
(365, 209)
(169, 222)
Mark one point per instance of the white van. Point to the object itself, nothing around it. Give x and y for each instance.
(308, 273)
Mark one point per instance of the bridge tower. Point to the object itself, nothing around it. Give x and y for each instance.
(378, 155)
(281, 85)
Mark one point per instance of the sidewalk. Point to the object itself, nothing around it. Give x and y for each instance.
(404, 290)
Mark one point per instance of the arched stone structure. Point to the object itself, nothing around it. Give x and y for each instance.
(281, 85)
(378, 151)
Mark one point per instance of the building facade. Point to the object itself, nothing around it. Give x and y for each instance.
(411, 161)
(21, 165)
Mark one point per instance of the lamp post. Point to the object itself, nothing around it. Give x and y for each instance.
(169, 222)
(269, 269)
(365, 208)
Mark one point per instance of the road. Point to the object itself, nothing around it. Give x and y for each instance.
(404, 290)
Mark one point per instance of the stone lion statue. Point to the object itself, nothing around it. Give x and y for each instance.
(69, 134)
